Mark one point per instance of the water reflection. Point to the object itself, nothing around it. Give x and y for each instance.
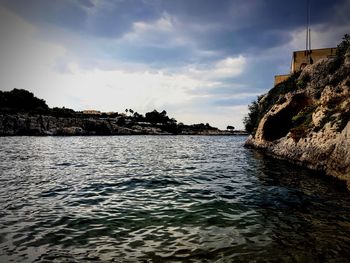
(164, 199)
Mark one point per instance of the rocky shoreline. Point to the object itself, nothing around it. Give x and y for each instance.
(325, 152)
(310, 124)
(45, 125)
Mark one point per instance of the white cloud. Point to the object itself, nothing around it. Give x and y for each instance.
(159, 33)
(164, 23)
(223, 116)
(226, 68)
(322, 36)
(31, 63)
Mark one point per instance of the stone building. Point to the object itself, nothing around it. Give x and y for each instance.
(302, 58)
(92, 112)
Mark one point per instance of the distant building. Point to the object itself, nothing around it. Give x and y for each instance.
(92, 112)
(302, 58)
(111, 113)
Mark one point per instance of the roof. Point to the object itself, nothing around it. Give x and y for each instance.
(314, 49)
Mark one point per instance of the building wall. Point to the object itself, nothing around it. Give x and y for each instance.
(300, 58)
(280, 78)
(91, 112)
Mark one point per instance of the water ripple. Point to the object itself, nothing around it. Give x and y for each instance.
(164, 199)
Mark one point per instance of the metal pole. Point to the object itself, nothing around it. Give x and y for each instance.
(307, 26)
(309, 39)
(309, 18)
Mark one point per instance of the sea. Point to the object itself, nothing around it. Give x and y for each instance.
(164, 199)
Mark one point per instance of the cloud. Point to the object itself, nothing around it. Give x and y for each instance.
(44, 69)
(161, 33)
(24, 59)
(229, 67)
(322, 36)
(201, 60)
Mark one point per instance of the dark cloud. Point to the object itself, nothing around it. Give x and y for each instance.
(67, 14)
(244, 26)
(107, 19)
(229, 26)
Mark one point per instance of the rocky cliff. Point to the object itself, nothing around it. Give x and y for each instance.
(12, 124)
(306, 119)
(25, 124)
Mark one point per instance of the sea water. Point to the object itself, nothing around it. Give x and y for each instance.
(164, 199)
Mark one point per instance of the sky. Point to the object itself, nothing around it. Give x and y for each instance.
(203, 61)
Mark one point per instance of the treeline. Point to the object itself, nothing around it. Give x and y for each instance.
(23, 101)
(19, 100)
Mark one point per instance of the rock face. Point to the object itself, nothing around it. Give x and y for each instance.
(41, 125)
(311, 124)
(25, 124)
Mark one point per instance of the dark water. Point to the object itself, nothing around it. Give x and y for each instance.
(164, 199)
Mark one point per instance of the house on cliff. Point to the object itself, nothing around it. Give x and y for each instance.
(302, 58)
(91, 112)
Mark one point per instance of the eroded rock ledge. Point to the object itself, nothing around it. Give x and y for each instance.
(311, 124)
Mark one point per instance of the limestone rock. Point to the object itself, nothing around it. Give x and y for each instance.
(312, 126)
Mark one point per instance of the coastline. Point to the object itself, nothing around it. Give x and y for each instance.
(24, 124)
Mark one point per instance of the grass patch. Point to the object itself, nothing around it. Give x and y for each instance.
(302, 123)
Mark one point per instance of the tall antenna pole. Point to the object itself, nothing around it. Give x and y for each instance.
(307, 26)
(308, 36)
(309, 39)
(309, 18)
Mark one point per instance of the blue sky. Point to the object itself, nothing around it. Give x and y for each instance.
(200, 60)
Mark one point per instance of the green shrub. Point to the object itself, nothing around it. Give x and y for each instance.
(259, 107)
(304, 117)
(343, 47)
(301, 84)
(251, 121)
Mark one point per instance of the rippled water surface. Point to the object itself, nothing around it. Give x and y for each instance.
(164, 199)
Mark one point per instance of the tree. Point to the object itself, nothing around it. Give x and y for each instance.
(252, 120)
(156, 117)
(137, 116)
(20, 99)
(343, 46)
(229, 127)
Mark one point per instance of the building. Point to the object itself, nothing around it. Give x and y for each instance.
(281, 78)
(302, 58)
(91, 112)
